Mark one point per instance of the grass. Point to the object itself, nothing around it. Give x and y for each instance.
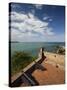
(20, 60)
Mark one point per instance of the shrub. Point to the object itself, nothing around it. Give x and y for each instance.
(20, 60)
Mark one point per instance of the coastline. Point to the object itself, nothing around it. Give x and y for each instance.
(53, 61)
(54, 70)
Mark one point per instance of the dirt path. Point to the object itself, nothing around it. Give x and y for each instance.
(54, 72)
(52, 75)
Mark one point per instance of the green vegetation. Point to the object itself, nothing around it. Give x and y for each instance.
(19, 61)
(60, 50)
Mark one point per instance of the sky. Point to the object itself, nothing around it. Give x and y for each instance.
(36, 22)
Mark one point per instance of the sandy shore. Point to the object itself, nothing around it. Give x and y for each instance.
(54, 73)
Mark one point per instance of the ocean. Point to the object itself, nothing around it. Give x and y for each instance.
(34, 47)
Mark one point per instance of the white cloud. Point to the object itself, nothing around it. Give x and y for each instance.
(28, 26)
(49, 32)
(45, 18)
(50, 19)
(38, 6)
(56, 38)
(18, 16)
(15, 6)
(15, 35)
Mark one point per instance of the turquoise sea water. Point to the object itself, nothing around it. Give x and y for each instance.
(34, 47)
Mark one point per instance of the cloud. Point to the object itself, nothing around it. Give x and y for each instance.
(56, 38)
(50, 19)
(38, 6)
(15, 5)
(45, 18)
(49, 32)
(28, 26)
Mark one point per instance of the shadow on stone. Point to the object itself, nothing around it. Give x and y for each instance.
(39, 66)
